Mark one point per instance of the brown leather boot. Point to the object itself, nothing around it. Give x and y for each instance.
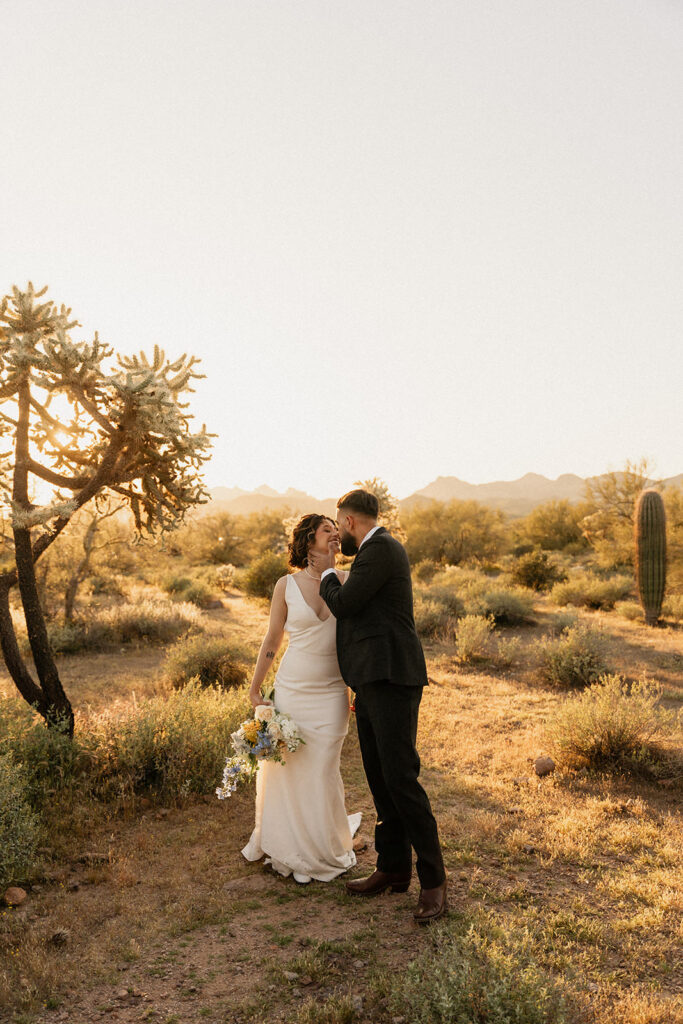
(432, 904)
(379, 881)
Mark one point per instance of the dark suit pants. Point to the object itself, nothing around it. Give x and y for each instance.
(386, 716)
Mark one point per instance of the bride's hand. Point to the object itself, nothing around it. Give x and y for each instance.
(257, 699)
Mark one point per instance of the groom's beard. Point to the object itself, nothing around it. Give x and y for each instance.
(348, 545)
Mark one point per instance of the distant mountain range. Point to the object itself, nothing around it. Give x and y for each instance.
(514, 497)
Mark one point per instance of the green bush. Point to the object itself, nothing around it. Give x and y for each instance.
(508, 605)
(156, 621)
(176, 584)
(197, 593)
(576, 658)
(629, 610)
(610, 725)
(472, 635)
(431, 617)
(478, 977)
(165, 747)
(673, 607)
(260, 578)
(424, 570)
(18, 824)
(67, 637)
(508, 650)
(212, 661)
(535, 571)
(585, 589)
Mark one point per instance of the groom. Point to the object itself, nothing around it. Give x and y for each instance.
(381, 659)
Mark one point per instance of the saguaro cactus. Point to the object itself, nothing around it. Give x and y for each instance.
(650, 537)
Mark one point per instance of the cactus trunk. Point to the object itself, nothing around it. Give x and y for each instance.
(650, 538)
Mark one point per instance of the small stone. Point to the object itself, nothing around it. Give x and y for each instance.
(398, 1020)
(306, 980)
(122, 994)
(527, 848)
(544, 766)
(291, 975)
(515, 810)
(360, 843)
(73, 886)
(61, 937)
(359, 964)
(14, 896)
(357, 1003)
(192, 989)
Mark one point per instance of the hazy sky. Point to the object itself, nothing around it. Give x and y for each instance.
(407, 239)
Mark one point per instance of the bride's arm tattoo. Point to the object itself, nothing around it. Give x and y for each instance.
(270, 654)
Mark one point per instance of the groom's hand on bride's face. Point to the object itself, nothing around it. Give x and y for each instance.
(320, 562)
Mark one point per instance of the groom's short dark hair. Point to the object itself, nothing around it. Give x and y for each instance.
(363, 503)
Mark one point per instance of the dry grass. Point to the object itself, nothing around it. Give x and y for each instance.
(577, 874)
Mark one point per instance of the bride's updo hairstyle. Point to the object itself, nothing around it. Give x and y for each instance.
(303, 536)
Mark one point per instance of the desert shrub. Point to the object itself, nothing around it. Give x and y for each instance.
(143, 617)
(472, 635)
(214, 538)
(585, 589)
(431, 617)
(673, 607)
(454, 532)
(155, 621)
(480, 977)
(562, 621)
(629, 610)
(445, 596)
(176, 584)
(424, 570)
(508, 650)
(555, 525)
(260, 578)
(66, 637)
(536, 571)
(612, 724)
(167, 746)
(197, 593)
(212, 661)
(51, 761)
(576, 658)
(18, 823)
(508, 605)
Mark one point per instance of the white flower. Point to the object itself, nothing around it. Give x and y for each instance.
(264, 713)
(274, 731)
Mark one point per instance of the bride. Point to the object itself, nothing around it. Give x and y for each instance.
(301, 823)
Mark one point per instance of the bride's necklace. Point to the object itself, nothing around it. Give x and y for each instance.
(311, 574)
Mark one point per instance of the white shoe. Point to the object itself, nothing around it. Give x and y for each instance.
(301, 879)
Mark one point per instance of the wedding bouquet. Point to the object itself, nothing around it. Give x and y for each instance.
(268, 736)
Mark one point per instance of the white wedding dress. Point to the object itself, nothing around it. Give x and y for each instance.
(301, 823)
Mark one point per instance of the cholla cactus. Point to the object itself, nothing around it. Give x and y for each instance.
(90, 430)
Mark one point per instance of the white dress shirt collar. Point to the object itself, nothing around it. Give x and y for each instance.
(367, 536)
